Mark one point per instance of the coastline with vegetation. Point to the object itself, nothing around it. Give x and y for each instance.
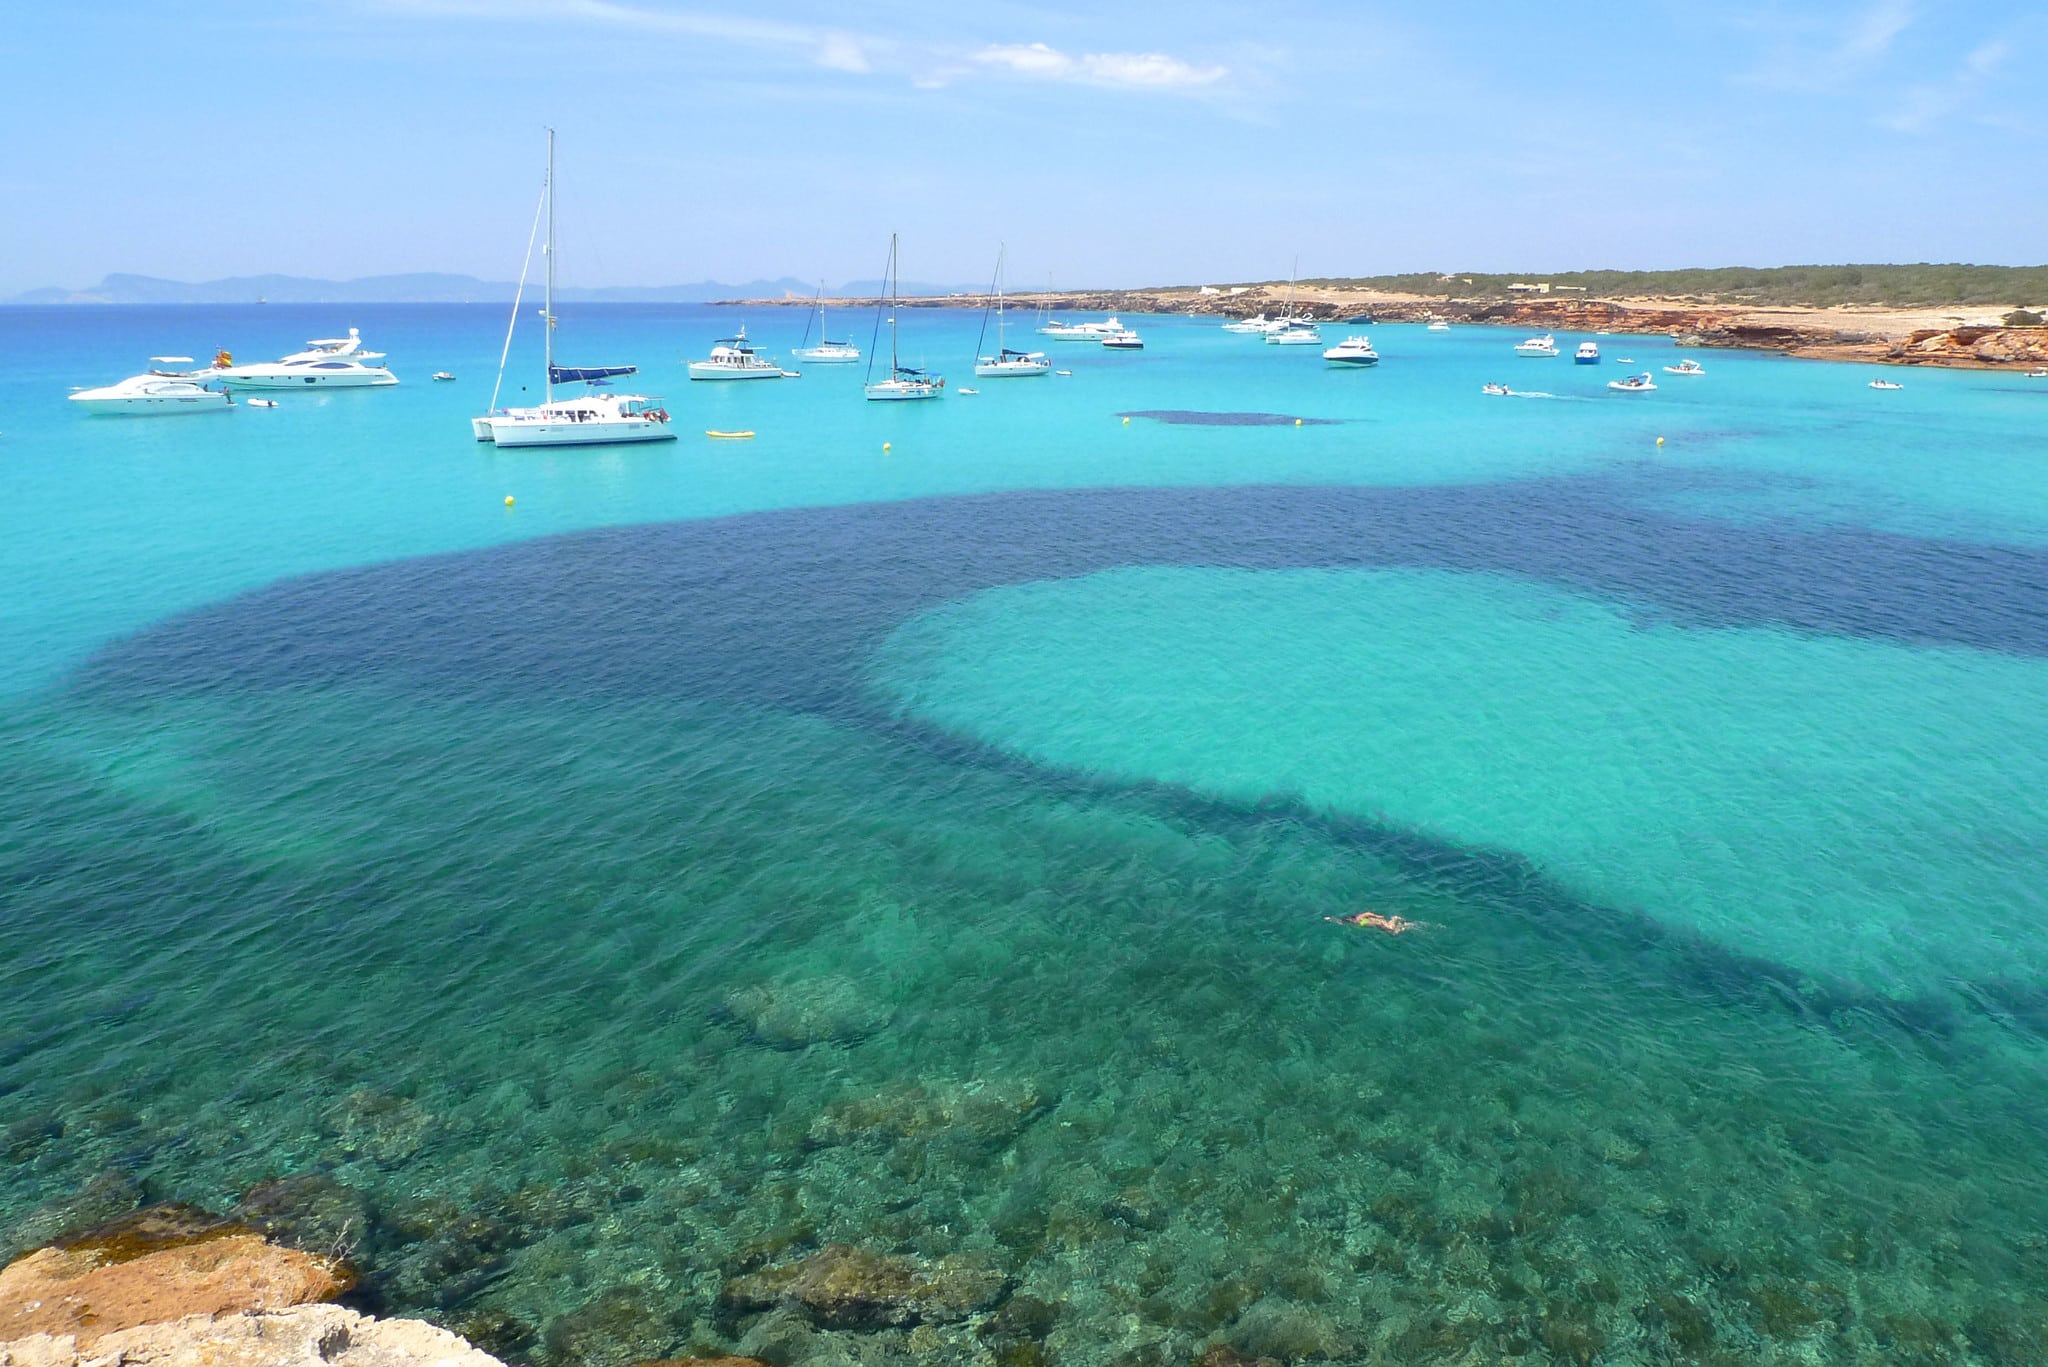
(1982, 317)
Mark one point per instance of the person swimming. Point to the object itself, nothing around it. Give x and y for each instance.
(1372, 920)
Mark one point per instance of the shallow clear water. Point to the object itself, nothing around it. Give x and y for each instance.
(733, 848)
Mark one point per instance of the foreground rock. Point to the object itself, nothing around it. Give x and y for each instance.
(317, 1334)
(840, 1287)
(157, 1265)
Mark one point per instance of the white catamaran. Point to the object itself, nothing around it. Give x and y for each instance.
(594, 419)
(1006, 362)
(904, 382)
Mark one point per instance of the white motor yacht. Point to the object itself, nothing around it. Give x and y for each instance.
(1126, 340)
(903, 382)
(1687, 366)
(1438, 325)
(1081, 332)
(1258, 326)
(594, 419)
(1296, 332)
(1353, 352)
(1007, 362)
(326, 363)
(734, 358)
(1587, 354)
(154, 393)
(1546, 345)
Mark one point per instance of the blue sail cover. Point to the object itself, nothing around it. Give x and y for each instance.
(563, 374)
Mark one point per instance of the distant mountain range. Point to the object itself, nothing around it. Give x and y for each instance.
(429, 288)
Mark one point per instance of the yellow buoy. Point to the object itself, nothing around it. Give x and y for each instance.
(508, 500)
(1127, 422)
(885, 446)
(1297, 422)
(1660, 441)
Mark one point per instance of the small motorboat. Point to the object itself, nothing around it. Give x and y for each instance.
(1885, 384)
(727, 436)
(1546, 345)
(1587, 354)
(1688, 366)
(1438, 325)
(1498, 390)
(1068, 373)
(261, 403)
(1125, 340)
(1634, 384)
(1624, 360)
(964, 390)
(1352, 352)
(2038, 374)
(442, 376)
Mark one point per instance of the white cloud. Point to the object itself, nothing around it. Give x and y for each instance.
(1124, 70)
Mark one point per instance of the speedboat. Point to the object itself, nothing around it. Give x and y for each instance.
(1295, 332)
(326, 363)
(1126, 340)
(1688, 366)
(734, 358)
(1352, 351)
(1438, 325)
(442, 376)
(595, 418)
(1081, 332)
(1885, 384)
(154, 393)
(1587, 354)
(1497, 390)
(1634, 384)
(1546, 345)
(2039, 374)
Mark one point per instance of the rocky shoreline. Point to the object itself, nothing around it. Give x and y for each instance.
(1911, 337)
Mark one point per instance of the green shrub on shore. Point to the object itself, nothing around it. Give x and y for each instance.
(2023, 318)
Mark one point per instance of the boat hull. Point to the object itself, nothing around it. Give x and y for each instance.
(549, 432)
(1011, 370)
(827, 355)
(1351, 362)
(703, 370)
(891, 391)
(138, 406)
(290, 377)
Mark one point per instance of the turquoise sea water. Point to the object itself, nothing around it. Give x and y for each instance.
(736, 848)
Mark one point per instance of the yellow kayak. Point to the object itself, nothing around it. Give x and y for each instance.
(729, 436)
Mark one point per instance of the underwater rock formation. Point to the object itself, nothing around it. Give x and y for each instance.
(795, 1014)
(841, 1287)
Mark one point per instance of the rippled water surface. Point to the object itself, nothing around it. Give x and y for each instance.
(735, 849)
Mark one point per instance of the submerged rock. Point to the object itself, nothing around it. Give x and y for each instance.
(111, 1194)
(797, 1013)
(378, 1126)
(309, 1211)
(616, 1328)
(321, 1334)
(841, 1287)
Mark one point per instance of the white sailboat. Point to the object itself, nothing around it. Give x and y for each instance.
(1005, 363)
(827, 351)
(904, 382)
(593, 419)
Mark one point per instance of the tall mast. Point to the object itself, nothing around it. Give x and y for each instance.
(548, 306)
(895, 307)
(1001, 248)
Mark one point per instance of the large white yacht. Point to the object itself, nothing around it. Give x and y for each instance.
(1257, 326)
(154, 393)
(326, 363)
(734, 358)
(1353, 351)
(1081, 332)
(596, 418)
(1546, 345)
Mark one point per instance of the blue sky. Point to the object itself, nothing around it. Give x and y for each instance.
(1129, 143)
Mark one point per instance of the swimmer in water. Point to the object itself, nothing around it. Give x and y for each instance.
(1372, 920)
